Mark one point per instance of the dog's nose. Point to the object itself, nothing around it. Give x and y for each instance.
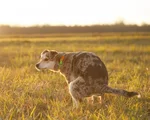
(37, 65)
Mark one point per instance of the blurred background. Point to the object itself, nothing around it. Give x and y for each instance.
(57, 16)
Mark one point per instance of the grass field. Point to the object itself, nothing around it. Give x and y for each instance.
(26, 94)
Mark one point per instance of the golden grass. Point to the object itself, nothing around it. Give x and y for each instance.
(28, 94)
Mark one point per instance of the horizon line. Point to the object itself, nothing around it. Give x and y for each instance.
(80, 25)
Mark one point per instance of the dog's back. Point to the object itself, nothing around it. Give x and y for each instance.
(90, 68)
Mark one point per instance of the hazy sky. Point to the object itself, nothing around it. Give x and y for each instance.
(73, 12)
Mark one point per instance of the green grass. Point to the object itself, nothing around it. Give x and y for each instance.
(26, 94)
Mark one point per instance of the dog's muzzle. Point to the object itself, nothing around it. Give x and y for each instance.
(37, 66)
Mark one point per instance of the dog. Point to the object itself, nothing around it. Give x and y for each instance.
(85, 73)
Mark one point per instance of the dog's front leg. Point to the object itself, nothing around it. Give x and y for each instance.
(75, 91)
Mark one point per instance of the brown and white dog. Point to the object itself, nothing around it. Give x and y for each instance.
(85, 73)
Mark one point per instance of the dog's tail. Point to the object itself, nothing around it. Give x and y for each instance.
(107, 89)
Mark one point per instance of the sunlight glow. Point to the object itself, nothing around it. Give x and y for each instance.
(73, 12)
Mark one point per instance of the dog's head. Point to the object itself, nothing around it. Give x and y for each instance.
(47, 60)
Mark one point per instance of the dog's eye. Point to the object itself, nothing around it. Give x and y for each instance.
(46, 59)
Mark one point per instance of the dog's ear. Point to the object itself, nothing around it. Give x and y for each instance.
(44, 51)
(53, 53)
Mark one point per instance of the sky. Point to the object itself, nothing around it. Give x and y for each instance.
(73, 12)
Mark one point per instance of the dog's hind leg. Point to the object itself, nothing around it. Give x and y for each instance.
(101, 98)
(90, 100)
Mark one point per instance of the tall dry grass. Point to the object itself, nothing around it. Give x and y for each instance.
(28, 94)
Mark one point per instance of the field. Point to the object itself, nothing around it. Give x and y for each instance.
(27, 94)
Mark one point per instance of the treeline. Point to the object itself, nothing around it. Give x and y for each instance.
(5, 29)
